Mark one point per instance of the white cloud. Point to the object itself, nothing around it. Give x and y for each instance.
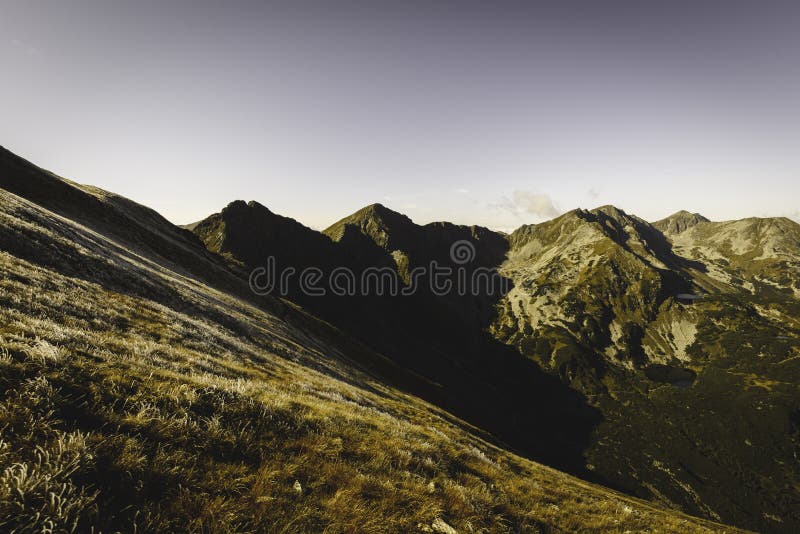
(537, 204)
(523, 204)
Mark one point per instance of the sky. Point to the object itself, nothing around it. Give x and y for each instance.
(493, 113)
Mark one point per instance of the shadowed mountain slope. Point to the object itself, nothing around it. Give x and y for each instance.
(439, 337)
(392, 231)
(251, 232)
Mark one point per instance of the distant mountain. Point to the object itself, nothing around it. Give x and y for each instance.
(757, 256)
(679, 222)
(687, 340)
(387, 228)
(396, 233)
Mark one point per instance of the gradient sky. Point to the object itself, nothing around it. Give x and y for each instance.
(494, 113)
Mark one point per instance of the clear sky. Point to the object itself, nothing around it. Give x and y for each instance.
(495, 113)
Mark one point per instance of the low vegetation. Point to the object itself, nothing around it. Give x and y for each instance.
(130, 412)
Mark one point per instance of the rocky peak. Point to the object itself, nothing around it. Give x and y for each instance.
(610, 211)
(378, 222)
(679, 222)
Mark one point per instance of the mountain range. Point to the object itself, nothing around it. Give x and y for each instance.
(612, 374)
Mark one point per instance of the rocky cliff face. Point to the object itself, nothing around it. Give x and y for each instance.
(686, 339)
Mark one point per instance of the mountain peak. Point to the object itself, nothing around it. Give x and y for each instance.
(240, 206)
(679, 221)
(611, 211)
(375, 220)
(376, 207)
(380, 211)
(235, 206)
(688, 214)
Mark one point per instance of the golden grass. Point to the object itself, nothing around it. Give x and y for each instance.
(120, 413)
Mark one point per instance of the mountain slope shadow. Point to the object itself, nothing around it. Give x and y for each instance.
(440, 336)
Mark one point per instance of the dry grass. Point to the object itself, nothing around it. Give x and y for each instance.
(122, 413)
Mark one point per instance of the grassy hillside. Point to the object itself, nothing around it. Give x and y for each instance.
(139, 396)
